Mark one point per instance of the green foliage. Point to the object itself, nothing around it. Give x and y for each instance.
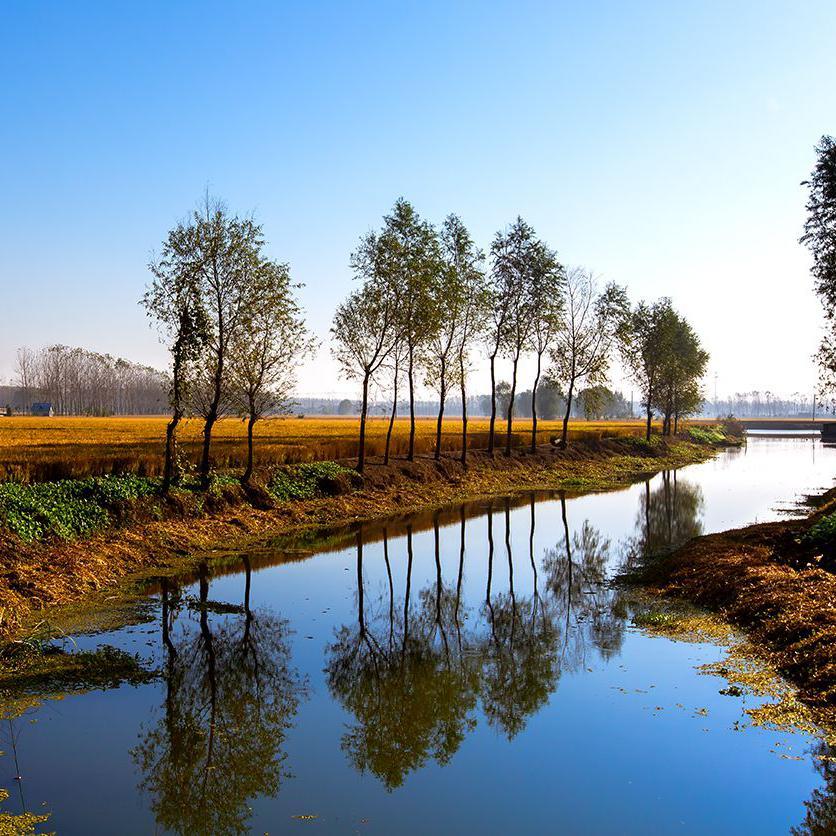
(706, 435)
(69, 508)
(823, 532)
(304, 481)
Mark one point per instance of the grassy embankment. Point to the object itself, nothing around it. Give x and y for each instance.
(60, 540)
(774, 580)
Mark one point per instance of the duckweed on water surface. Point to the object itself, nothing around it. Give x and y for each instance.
(743, 667)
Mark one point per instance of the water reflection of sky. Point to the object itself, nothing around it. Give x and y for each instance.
(533, 714)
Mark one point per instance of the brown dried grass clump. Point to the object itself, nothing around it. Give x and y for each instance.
(765, 579)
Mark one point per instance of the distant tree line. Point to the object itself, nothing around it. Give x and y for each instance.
(80, 382)
(427, 300)
(592, 403)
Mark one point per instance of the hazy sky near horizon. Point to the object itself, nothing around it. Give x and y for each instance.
(659, 144)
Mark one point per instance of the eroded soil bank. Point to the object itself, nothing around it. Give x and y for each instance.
(158, 537)
(776, 581)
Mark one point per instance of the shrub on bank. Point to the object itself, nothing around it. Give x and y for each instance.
(706, 435)
(66, 509)
(306, 481)
(823, 532)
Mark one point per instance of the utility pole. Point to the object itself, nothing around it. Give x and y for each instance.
(814, 407)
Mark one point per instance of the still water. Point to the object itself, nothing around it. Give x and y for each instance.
(472, 671)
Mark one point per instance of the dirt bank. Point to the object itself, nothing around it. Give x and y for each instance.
(153, 536)
(776, 581)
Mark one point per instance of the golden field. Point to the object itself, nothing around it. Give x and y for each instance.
(53, 448)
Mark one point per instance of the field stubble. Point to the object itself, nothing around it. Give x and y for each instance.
(45, 449)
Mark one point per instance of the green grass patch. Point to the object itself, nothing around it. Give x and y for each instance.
(306, 481)
(69, 508)
(706, 435)
(822, 532)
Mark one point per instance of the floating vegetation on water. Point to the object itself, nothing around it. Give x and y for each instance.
(743, 667)
(747, 673)
(30, 673)
(682, 623)
(21, 824)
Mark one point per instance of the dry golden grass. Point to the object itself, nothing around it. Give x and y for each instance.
(50, 448)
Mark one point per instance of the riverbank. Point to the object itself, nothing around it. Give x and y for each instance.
(148, 535)
(774, 580)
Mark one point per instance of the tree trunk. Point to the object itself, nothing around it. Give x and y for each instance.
(411, 454)
(464, 411)
(211, 418)
(511, 405)
(170, 467)
(564, 437)
(534, 405)
(493, 404)
(361, 453)
(649, 416)
(442, 395)
(392, 416)
(249, 471)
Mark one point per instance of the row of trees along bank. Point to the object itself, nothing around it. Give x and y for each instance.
(427, 302)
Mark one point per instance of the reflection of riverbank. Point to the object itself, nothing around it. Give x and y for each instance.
(44, 576)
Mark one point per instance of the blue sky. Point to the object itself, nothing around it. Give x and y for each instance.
(659, 144)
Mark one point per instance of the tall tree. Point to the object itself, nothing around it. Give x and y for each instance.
(473, 317)
(583, 345)
(547, 286)
(266, 351)
(683, 366)
(646, 344)
(516, 256)
(498, 299)
(173, 299)
(453, 300)
(223, 252)
(411, 269)
(365, 331)
(820, 238)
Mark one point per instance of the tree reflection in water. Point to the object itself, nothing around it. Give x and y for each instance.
(231, 695)
(820, 819)
(412, 673)
(587, 605)
(412, 694)
(668, 516)
(518, 654)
